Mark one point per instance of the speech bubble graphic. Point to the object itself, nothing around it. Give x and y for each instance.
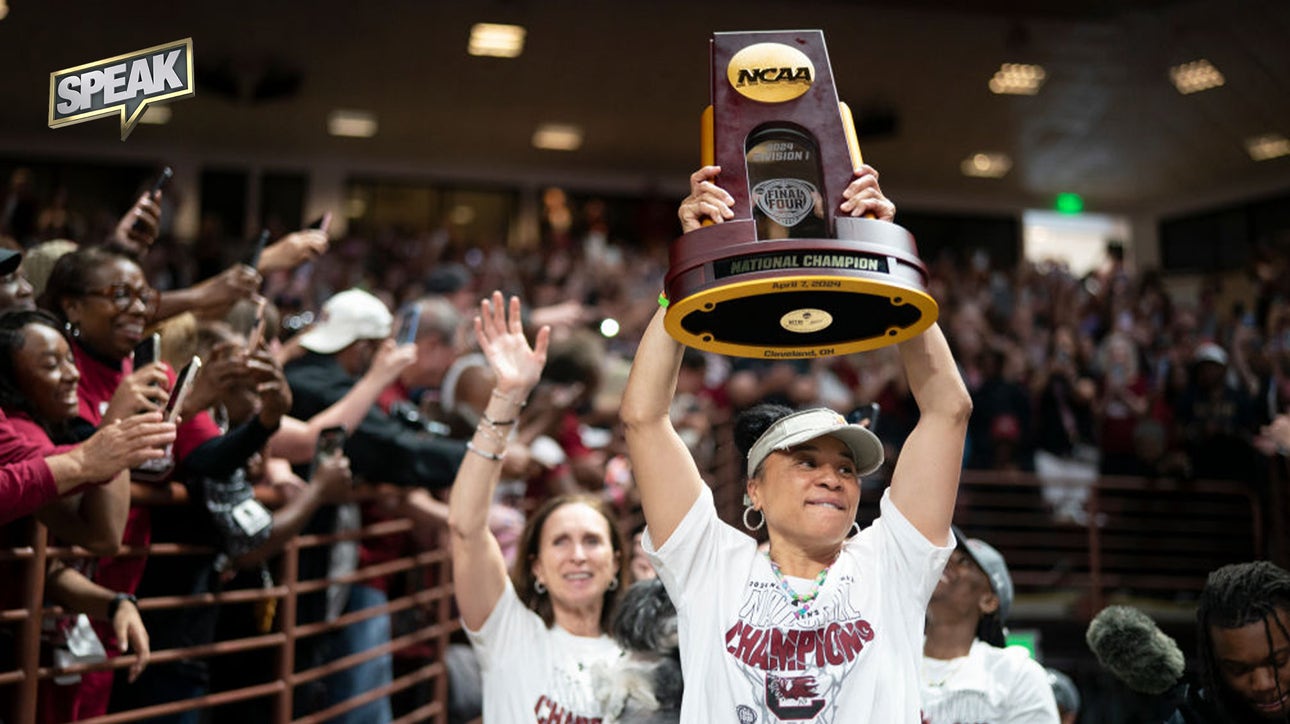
(125, 84)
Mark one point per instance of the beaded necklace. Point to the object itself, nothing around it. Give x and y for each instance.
(801, 602)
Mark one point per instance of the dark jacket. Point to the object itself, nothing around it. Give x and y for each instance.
(1199, 708)
(382, 449)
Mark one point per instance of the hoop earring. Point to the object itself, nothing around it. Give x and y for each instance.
(760, 523)
(540, 588)
(855, 528)
(613, 584)
(74, 330)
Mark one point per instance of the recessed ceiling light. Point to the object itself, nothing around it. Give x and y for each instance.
(986, 165)
(557, 137)
(156, 115)
(1267, 146)
(1195, 76)
(1019, 79)
(352, 124)
(495, 40)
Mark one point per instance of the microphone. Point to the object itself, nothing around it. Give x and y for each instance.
(1133, 648)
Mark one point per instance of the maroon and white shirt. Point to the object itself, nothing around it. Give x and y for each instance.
(854, 656)
(537, 674)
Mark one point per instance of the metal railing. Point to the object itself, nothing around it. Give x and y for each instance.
(436, 598)
(1143, 537)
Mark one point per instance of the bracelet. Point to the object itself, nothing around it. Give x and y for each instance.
(508, 400)
(496, 423)
(663, 300)
(489, 431)
(495, 457)
(115, 604)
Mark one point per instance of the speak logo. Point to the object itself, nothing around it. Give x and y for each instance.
(125, 84)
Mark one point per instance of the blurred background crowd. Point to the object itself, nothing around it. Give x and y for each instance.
(1074, 377)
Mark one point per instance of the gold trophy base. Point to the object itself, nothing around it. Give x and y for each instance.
(799, 316)
(797, 298)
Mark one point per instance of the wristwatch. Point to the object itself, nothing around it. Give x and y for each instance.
(116, 603)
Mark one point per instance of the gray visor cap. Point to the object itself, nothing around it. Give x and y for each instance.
(799, 427)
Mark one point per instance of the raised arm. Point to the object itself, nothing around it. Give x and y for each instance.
(211, 298)
(114, 447)
(666, 475)
(296, 439)
(926, 480)
(477, 562)
(293, 250)
(330, 484)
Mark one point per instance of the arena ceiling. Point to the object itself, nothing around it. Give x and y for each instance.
(1106, 124)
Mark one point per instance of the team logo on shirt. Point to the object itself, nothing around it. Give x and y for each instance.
(796, 666)
(793, 697)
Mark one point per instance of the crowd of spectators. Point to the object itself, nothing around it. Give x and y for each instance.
(1072, 376)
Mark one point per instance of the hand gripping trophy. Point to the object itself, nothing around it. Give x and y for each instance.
(789, 277)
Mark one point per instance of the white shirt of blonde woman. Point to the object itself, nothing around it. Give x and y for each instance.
(748, 659)
(532, 673)
(990, 685)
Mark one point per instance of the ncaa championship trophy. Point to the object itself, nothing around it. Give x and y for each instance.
(789, 277)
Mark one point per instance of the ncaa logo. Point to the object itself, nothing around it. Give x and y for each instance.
(770, 72)
(785, 200)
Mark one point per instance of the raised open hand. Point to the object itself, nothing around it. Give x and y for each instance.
(516, 366)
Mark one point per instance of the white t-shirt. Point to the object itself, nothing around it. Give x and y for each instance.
(853, 657)
(988, 686)
(537, 674)
(448, 401)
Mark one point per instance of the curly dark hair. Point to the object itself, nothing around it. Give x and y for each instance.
(754, 421)
(1235, 596)
(531, 541)
(12, 322)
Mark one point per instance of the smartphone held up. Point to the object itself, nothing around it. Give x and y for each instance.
(158, 185)
(147, 351)
(409, 324)
(331, 442)
(255, 337)
(158, 469)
